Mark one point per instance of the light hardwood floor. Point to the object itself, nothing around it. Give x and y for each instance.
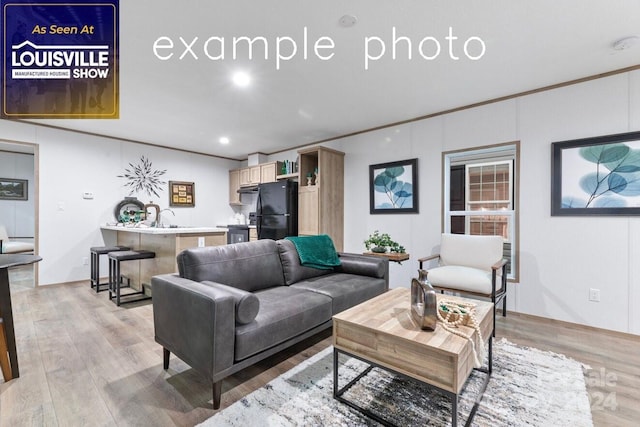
(86, 362)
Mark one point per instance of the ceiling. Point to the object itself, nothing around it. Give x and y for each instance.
(190, 103)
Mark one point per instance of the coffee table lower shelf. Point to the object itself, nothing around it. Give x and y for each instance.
(338, 392)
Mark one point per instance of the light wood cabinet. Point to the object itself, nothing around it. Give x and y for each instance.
(250, 176)
(234, 186)
(321, 204)
(254, 175)
(308, 203)
(245, 178)
(268, 172)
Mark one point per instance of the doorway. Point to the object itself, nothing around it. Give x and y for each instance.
(19, 162)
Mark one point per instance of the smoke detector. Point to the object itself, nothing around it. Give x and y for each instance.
(626, 43)
(347, 21)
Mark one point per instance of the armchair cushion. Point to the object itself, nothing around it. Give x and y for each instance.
(463, 278)
(471, 251)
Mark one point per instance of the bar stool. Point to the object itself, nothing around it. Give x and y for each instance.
(115, 281)
(4, 354)
(96, 251)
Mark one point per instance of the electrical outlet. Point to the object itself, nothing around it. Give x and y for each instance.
(85, 260)
(594, 295)
(201, 242)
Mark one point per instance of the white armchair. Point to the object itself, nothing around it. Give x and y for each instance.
(472, 265)
(13, 247)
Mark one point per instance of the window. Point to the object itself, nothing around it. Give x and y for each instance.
(480, 195)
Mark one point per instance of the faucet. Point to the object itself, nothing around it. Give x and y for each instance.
(157, 209)
(158, 222)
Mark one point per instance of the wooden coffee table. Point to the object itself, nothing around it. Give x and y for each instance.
(381, 332)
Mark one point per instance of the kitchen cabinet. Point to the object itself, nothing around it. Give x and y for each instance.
(250, 176)
(308, 203)
(234, 186)
(321, 201)
(268, 172)
(254, 175)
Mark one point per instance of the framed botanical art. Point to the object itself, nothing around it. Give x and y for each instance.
(393, 187)
(596, 176)
(182, 194)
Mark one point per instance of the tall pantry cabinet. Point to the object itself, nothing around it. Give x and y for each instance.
(321, 193)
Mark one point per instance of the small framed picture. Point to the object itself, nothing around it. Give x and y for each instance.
(13, 189)
(182, 194)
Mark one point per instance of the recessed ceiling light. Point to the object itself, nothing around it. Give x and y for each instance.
(626, 43)
(241, 79)
(224, 140)
(347, 21)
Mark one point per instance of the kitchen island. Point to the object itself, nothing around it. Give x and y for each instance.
(167, 243)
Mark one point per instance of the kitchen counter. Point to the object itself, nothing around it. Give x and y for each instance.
(162, 230)
(167, 243)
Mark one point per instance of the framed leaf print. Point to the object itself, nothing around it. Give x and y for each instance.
(393, 187)
(596, 176)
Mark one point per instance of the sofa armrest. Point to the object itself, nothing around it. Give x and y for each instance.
(247, 304)
(194, 321)
(363, 265)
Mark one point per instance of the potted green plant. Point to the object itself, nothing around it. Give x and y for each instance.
(381, 243)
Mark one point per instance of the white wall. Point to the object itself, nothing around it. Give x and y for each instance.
(18, 215)
(560, 257)
(73, 163)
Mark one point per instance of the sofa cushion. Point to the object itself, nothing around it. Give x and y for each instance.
(345, 290)
(293, 270)
(285, 312)
(247, 304)
(249, 266)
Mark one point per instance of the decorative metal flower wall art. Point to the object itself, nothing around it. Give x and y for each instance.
(142, 177)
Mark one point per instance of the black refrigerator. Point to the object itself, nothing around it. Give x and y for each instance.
(277, 210)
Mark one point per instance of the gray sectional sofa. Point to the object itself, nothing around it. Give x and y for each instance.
(232, 306)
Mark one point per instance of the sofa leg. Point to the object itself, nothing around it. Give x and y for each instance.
(165, 358)
(217, 394)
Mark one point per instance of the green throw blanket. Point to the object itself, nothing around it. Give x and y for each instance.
(316, 251)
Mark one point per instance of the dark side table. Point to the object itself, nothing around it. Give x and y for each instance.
(6, 312)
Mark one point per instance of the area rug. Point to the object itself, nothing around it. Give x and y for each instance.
(528, 387)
